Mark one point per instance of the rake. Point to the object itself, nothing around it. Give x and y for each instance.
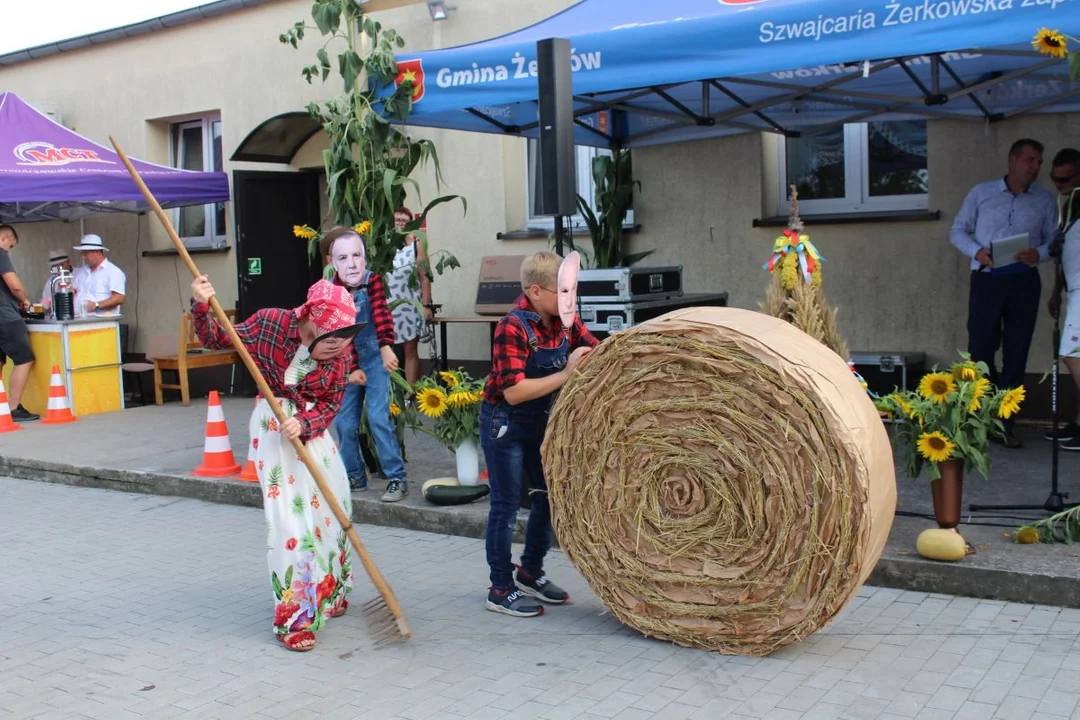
(385, 618)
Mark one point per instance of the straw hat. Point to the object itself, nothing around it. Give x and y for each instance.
(92, 242)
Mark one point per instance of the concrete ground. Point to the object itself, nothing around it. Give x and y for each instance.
(153, 449)
(123, 605)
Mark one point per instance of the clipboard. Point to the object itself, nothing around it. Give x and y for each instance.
(1007, 249)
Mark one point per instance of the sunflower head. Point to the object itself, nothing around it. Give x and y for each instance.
(394, 410)
(449, 379)
(362, 228)
(965, 371)
(303, 232)
(982, 385)
(459, 399)
(935, 447)
(937, 386)
(1010, 402)
(431, 402)
(1050, 42)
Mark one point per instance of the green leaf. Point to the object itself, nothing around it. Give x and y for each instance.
(350, 66)
(1074, 66)
(633, 258)
(324, 62)
(389, 175)
(327, 17)
(276, 584)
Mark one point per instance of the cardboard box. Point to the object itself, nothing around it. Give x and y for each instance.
(499, 285)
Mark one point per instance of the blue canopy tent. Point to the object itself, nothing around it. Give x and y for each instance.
(649, 73)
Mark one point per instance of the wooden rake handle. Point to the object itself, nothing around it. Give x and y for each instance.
(316, 472)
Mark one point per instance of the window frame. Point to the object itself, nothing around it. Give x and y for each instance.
(583, 156)
(208, 239)
(857, 197)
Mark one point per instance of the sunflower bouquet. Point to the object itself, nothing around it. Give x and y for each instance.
(952, 415)
(452, 399)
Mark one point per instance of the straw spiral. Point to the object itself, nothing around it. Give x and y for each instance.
(720, 479)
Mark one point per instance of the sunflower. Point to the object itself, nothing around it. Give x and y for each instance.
(362, 228)
(459, 399)
(449, 378)
(1010, 404)
(1051, 42)
(303, 232)
(431, 402)
(935, 447)
(965, 371)
(394, 410)
(937, 386)
(981, 386)
(903, 404)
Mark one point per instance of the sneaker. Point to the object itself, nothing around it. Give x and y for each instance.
(21, 414)
(1070, 444)
(512, 602)
(357, 485)
(395, 490)
(540, 588)
(1066, 432)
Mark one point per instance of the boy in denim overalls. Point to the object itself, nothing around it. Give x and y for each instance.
(374, 355)
(532, 356)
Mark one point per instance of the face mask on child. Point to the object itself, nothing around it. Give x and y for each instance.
(567, 286)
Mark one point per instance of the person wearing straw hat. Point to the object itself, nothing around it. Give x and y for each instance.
(99, 285)
(303, 353)
(58, 260)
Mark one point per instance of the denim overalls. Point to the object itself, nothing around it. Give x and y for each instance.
(511, 436)
(377, 395)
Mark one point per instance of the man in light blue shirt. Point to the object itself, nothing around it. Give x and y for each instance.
(1004, 304)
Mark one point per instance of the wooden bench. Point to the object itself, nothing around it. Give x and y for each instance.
(190, 355)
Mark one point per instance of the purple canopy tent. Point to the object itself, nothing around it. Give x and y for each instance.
(48, 172)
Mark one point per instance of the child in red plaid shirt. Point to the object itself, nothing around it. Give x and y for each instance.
(533, 355)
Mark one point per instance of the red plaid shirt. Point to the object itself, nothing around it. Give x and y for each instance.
(272, 338)
(510, 348)
(380, 315)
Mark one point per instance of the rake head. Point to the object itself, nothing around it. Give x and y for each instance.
(386, 629)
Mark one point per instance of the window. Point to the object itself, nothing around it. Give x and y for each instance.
(861, 167)
(196, 145)
(585, 186)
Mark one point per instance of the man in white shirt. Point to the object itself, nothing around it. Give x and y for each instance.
(1065, 174)
(99, 285)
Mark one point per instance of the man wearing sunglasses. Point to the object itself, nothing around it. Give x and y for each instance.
(1003, 306)
(1065, 174)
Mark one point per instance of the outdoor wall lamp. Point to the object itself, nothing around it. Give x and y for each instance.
(439, 10)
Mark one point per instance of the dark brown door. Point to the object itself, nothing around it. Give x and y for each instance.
(272, 263)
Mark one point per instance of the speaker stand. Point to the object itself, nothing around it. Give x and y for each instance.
(560, 233)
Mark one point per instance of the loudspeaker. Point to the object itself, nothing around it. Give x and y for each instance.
(557, 179)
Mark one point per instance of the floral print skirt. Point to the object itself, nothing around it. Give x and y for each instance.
(307, 551)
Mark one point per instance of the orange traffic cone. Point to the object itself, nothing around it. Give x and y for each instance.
(249, 473)
(59, 409)
(6, 423)
(218, 460)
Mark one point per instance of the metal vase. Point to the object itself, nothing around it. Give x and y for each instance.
(948, 491)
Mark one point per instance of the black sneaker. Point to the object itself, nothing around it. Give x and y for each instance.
(512, 602)
(1070, 444)
(540, 588)
(1066, 432)
(358, 485)
(21, 414)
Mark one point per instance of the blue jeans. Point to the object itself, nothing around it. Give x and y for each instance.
(347, 424)
(511, 442)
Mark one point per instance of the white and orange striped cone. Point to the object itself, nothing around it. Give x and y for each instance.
(59, 409)
(6, 423)
(218, 460)
(249, 473)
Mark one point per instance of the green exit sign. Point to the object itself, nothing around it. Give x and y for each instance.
(254, 266)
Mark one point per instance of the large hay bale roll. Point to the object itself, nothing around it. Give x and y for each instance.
(720, 479)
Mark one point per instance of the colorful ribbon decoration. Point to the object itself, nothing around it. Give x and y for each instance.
(793, 242)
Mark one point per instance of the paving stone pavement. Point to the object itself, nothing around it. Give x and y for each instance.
(136, 606)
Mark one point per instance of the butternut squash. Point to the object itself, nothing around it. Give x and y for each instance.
(940, 544)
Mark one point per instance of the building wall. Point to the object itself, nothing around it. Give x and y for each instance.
(898, 286)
